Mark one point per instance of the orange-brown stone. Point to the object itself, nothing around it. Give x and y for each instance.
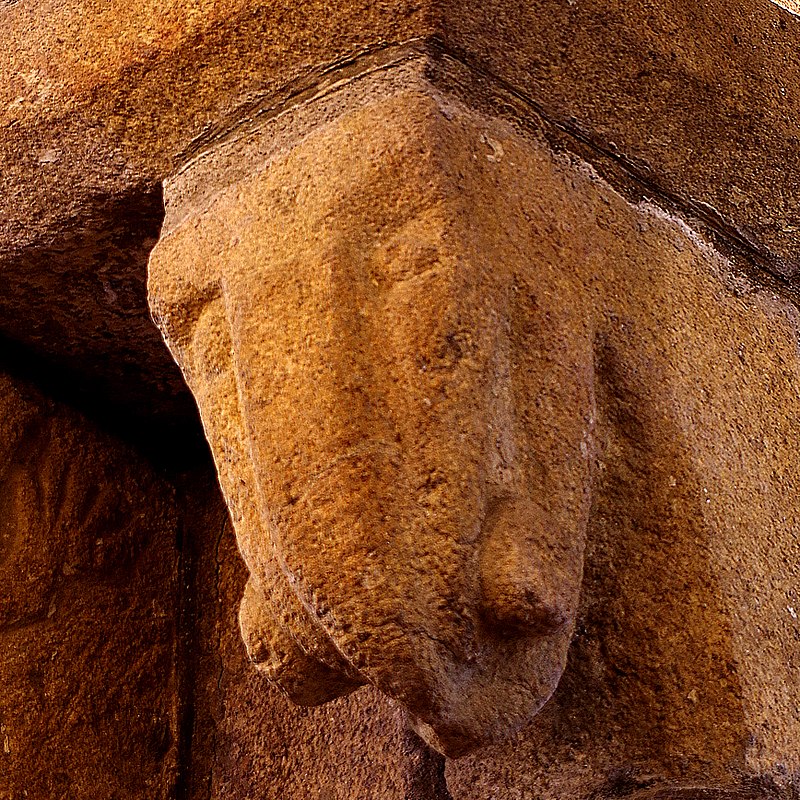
(441, 370)
(88, 599)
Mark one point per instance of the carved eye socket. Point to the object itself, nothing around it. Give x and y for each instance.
(407, 255)
(178, 316)
(209, 348)
(181, 281)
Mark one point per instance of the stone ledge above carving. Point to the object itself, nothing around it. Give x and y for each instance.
(98, 106)
(432, 358)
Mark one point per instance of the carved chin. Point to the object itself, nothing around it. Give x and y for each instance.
(501, 696)
(467, 679)
(455, 707)
(305, 678)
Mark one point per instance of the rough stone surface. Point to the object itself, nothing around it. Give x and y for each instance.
(248, 740)
(122, 670)
(88, 587)
(129, 87)
(376, 399)
(480, 278)
(101, 101)
(441, 369)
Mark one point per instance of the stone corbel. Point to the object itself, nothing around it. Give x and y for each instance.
(380, 404)
(433, 360)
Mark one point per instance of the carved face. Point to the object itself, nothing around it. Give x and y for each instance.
(401, 418)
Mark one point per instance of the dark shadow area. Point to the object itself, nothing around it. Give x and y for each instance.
(172, 441)
(74, 320)
(426, 779)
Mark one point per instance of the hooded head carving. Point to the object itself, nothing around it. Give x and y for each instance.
(401, 429)
(424, 349)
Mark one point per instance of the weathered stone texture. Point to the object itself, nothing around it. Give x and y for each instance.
(416, 308)
(249, 740)
(122, 669)
(130, 87)
(100, 102)
(88, 588)
(486, 427)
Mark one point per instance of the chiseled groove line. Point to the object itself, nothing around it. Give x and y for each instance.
(728, 231)
(334, 76)
(313, 86)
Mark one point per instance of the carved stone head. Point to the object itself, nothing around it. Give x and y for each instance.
(402, 428)
(429, 355)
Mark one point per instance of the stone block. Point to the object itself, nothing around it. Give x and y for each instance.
(88, 599)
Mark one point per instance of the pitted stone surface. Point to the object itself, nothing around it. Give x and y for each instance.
(680, 678)
(100, 102)
(88, 598)
(616, 380)
(248, 737)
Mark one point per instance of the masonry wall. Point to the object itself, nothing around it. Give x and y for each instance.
(89, 684)
(636, 162)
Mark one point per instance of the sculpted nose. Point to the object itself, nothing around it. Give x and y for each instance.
(527, 571)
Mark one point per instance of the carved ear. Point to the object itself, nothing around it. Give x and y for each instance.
(528, 571)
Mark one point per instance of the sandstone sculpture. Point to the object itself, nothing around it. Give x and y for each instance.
(392, 196)
(417, 410)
